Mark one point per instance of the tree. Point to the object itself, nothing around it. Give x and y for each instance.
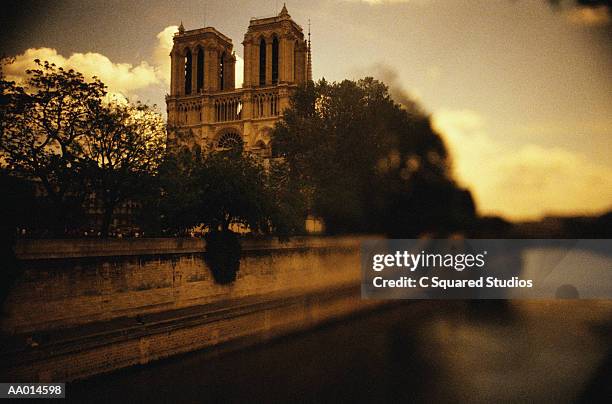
(287, 201)
(233, 190)
(360, 157)
(18, 209)
(173, 207)
(40, 131)
(222, 189)
(121, 153)
(60, 132)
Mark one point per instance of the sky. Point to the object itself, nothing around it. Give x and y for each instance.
(520, 91)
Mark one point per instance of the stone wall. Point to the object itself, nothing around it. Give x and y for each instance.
(83, 307)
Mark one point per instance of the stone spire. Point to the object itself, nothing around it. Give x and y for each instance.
(284, 11)
(309, 57)
(181, 28)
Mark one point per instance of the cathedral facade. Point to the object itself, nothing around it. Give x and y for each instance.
(204, 106)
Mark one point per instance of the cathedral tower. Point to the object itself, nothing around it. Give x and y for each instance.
(274, 52)
(202, 61)
(206, 109)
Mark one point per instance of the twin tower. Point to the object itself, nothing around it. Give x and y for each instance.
(204, 106)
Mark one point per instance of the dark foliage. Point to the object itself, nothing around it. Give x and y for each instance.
(223, 189)
(223, 255)
(17, 205)
(366, 164)
(58, 132)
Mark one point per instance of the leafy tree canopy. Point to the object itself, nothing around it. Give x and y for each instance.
(365, 162)
(58, 130)
(220, 190)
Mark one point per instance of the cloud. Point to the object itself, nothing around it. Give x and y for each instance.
(589, 16)
(122, 78)
(525, 182)
(161, 53)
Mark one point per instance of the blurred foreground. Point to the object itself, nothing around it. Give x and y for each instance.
(480, 351)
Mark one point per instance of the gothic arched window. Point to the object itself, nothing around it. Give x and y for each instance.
(230, 141)
(188, 67)
(262, 62)
(275, 60)
(200, 78)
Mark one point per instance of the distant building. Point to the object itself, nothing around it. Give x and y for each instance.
(204, 106)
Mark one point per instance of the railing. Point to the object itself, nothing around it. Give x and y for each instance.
(265, 104)
(228, 108)
(186, 110)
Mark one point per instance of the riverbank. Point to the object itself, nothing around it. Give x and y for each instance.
(423, 351)
(88, 311)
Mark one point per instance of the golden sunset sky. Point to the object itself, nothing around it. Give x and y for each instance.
(521, 91)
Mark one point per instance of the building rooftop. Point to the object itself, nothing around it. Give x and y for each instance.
(200, 31)
(283, 15)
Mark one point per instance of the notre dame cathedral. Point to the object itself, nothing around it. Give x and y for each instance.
(204, 106)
